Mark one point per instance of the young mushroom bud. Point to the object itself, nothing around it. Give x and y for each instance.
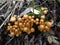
(32, 20)
(12, 34)
(20, 24)
(42, 21)
(25, 16)
(27, 24)
(49, 24)
(32, 29)
(15, 26)
(13, 19)
(42, 8)
(19, 19)
(9, 24)
(46, 28)
(41, 27)
(25, 29)
(45, 11)
(16, 23)
(37, 19)
(29, 17)
(43, 17)
(8, 27)
(17, 35)
(33, 17)
(37, 23)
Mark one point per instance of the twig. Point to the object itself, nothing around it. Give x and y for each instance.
(9, 15)
(9, 41)
(26, 40)
(26, 11)
(1, 15)
(2, 3)
(32, 40)
(18, 41)
(3, 6)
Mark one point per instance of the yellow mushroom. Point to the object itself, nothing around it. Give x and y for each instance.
(41, 27)
(33, 17)
(42, 8)
(32, 29)
(12, 34)
(46, 28)
(16, 23)
(49, 24)
(13, 19)
(45, 11)
(37, 19)
(19, 19)
(41, 21)
(25, 29)
(43, 17)
(25, 16)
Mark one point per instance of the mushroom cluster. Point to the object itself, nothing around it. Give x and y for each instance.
(44, 10)
(44, 26)
(24, 24)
